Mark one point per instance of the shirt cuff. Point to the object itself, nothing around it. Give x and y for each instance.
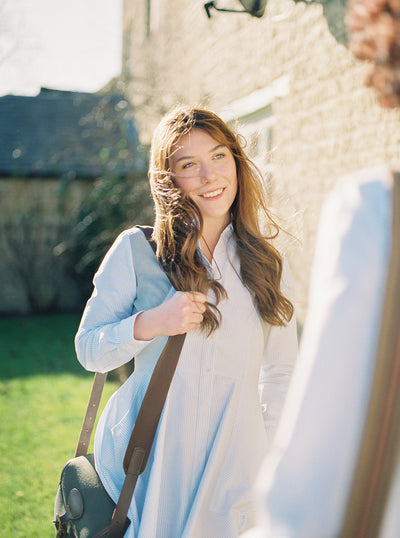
(127, 333)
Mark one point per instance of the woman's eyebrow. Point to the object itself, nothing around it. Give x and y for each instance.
(218, 146)
(184, 157)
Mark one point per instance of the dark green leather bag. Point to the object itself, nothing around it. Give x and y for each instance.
(82, 507)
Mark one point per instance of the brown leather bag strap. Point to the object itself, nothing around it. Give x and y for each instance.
(148, 232)
(90, 415)
(380, 445)
(145, 427)
(150, 411)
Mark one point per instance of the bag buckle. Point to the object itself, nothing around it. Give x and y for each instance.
(61, 526)
(73, 510)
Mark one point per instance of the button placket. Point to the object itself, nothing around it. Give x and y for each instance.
(204, 403)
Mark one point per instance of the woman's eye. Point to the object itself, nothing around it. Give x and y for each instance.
(187, 165)
(219, 156)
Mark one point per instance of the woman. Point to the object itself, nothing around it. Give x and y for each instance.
(233, 299)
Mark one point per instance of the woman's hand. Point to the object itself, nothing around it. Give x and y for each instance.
(179, 314)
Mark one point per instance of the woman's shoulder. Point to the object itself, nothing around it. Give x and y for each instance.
(128, 232)
(129, 235)
(127, 241)
(359, 201)
(365, 182)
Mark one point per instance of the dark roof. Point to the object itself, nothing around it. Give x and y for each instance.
(62, 133)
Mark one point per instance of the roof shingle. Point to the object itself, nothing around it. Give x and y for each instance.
(63, 133)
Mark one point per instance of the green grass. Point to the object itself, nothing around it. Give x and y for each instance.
(43, 397)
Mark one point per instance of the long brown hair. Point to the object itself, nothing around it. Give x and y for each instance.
(178, 222)
(374, 28)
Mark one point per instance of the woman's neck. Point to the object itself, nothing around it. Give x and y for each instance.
(209, 239)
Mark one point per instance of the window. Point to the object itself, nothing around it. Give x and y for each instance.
(152, 16)
(258, 132)
(252, 116)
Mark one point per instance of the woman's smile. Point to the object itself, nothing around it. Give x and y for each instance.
(212, 194)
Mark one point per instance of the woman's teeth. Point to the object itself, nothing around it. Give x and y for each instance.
(212, 194)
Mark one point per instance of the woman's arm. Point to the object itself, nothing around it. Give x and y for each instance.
(105, 337)
(305, 481)
(109, 334)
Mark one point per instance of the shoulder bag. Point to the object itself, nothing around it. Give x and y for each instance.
(83, 508)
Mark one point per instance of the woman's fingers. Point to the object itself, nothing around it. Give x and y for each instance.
(179, 314)
(200, 301)
(197, 300)
(187, 311)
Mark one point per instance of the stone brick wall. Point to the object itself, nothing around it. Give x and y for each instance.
(325, 124)
(34, 218)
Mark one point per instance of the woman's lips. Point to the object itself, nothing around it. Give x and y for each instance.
(213, 194)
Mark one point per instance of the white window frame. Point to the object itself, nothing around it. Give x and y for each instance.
(153, 16)
(252, 117)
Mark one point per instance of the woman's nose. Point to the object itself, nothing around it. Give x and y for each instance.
(207, 172)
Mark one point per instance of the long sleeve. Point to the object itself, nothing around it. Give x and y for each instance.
(105, 336)
(278, 362)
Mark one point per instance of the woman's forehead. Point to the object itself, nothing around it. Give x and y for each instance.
(199, 136)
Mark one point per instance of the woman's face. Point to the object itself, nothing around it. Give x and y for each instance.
(206, 170)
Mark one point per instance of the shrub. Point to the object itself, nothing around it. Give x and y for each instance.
(111, 206)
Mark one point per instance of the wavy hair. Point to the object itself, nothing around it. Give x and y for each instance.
(374, 27)
(178, 222)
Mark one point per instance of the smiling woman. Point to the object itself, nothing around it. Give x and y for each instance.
(232, 297)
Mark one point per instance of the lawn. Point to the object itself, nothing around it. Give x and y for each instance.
(43, 397)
